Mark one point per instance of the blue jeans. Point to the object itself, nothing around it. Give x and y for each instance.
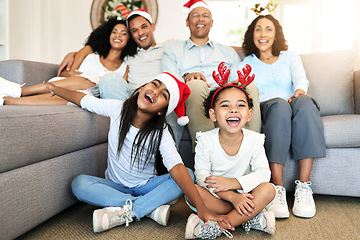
(113, 86)
(159, 190)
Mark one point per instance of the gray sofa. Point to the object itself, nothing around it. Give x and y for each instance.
(43, 148)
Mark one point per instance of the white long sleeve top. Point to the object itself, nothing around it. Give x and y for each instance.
(249, 166)
(119, 167)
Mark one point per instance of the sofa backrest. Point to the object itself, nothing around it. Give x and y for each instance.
(29, 72)
(331, 80)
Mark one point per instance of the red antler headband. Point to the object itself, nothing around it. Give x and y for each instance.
(222, 79)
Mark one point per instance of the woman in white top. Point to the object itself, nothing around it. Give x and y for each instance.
(110, 42)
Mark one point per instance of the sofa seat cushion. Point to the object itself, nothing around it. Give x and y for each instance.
(331, 80)
(342, 131)
(44, 132)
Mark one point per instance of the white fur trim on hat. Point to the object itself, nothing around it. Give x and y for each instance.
(182, 121)
(173, 89)
(140, 12)
(192, 4)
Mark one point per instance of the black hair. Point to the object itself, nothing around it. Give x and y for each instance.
(150, 132)
(207, 102)
(99, 39)
(133, 17)
(279, 43)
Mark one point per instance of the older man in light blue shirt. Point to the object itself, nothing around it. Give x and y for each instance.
(194, 60)
(185, 57)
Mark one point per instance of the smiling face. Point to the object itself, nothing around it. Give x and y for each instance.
(199, 22)
(153, 98)
(264, 35)
(231, 110)
(119, 36)
(142, 32)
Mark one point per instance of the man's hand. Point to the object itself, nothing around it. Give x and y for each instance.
(297, 93)
(66, 63)
(197, 76)
(222, 184)
(235, 82)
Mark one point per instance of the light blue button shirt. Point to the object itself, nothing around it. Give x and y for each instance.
(279, 79)
(182, 57)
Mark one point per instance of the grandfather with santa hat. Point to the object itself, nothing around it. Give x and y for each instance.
(195, 59)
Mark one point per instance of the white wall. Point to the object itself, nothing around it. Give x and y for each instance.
(43, 30)
(171, 21)
(46, 30)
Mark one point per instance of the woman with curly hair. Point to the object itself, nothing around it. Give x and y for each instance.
(110, 43)
(290, 118)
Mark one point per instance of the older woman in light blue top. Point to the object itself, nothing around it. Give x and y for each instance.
(290, 118)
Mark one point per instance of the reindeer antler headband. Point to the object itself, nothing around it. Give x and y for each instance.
(222, 79)
(270, 6)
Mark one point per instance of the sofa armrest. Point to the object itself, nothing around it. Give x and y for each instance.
(357, 91)
(29, 72)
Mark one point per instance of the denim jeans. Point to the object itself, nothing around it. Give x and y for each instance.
(159, 190)
(113, 86)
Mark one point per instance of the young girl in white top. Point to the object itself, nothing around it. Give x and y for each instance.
(231, 169)
(111, 43)
(138, 135)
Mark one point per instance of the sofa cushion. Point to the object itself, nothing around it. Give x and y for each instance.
(44, 132)
(331, 80)
(342, 131)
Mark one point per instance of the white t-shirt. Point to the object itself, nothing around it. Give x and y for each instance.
(249, 166)
(145, 65)
(92, 67)
(119, 167)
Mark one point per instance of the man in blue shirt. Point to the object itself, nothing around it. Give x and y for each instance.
(194, 60)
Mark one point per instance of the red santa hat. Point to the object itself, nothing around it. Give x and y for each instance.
(140, 12)
(192, 4)
(179, 92)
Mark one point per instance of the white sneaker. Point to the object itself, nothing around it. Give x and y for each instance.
(106, 218)
(195, 228)
(160, 215)
(10, 89)
(264, 221)
(1, 101)
(280, 207)
(304, 205)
